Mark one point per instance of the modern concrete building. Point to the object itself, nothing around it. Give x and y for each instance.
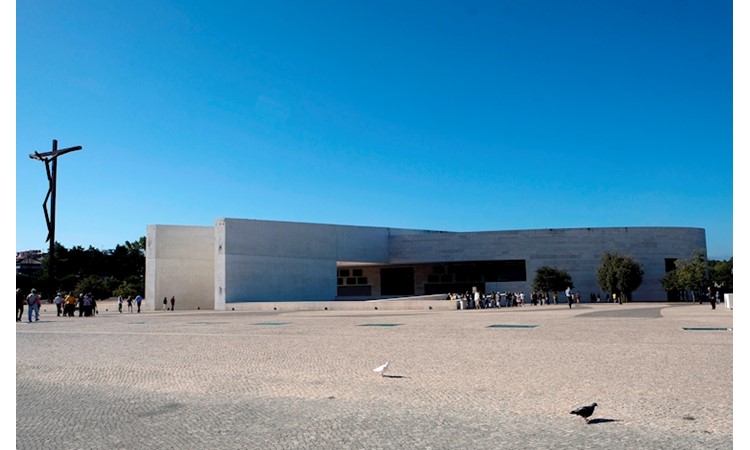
(241, 262)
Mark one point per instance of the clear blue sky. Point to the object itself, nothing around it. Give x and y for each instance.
(454, 116)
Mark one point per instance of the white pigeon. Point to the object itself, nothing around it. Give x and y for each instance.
(381, 369)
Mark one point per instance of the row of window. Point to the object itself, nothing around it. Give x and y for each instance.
(448, 278)
(351, 277)
(478, 272)
(449, 273)
(351, 281)
(344, 273)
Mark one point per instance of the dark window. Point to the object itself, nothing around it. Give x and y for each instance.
(483, 271)
(355, 291)
(356, 272)
(351, 280)
(340, 281)
(361, 280)
(344, 272)
(397, 281)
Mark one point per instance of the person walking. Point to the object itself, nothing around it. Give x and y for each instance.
(33, 301)
(59, 304)
(165, 304)
(70, 305)
(712, 298)
(138, 300)
(171, 300)
(119, 304)
(20, 301)
(80, 305)
(130, 304)
(87, 305)
(569, 296)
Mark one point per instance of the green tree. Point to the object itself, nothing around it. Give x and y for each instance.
(67, 283)
(128, 260)
(126, 289)
(91, 270)
(25, 282)
(670, 281)
(551, 279)
(690, 275)
(619, 274)
(94, 285)
(721, 275)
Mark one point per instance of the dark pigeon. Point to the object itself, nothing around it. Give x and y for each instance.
(585, 411)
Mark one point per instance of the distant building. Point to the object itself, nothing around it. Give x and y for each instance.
(29, 262)
(239, 261)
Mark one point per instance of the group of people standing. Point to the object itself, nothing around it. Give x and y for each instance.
(480, 300)
(138, 300)
(171, 302)
(33, 301)
(572, 297)
(66, 304)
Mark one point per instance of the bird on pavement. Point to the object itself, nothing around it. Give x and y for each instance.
(585, 411)
(381, 369)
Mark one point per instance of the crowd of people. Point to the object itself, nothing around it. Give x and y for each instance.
(67, 304)
(480, 300)
(84, 303)
(129, 301)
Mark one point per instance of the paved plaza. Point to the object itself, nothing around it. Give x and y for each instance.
(487, 379)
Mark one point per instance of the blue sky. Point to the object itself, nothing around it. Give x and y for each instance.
(454, 116)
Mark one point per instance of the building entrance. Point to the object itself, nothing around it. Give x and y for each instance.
(397, 281)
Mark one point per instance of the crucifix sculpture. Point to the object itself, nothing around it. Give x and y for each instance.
(50, 163)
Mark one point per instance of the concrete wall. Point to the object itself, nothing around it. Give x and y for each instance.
(179, 263)
(423, 303)
(576, 250)
(239, 260)
(262, 261)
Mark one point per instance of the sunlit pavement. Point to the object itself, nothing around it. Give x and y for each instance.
(480, 379)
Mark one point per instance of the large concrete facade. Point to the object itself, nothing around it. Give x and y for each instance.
(180, 262)
(239, 261)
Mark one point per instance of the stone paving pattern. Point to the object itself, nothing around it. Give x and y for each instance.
(293, 380)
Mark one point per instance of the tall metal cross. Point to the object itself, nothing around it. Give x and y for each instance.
(50, 163)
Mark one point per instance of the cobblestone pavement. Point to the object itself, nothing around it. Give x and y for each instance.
(242, 380)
